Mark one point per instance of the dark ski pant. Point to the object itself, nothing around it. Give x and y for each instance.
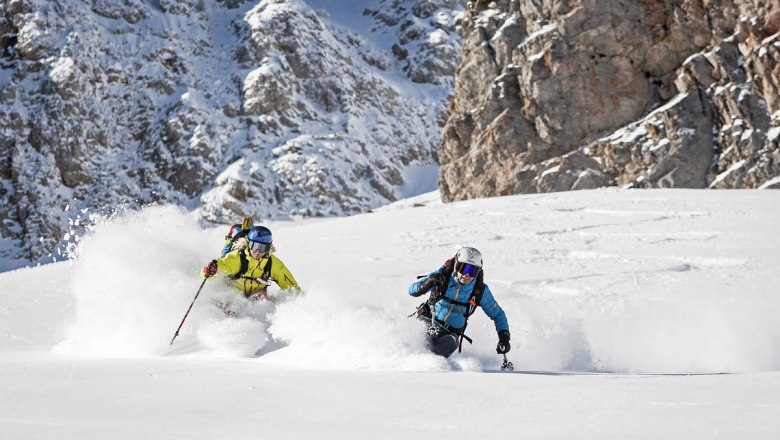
(443, 343)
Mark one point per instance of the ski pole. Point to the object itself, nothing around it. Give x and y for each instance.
(188, 310)
(507, 366)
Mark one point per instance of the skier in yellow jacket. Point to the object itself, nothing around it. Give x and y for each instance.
(251, 268)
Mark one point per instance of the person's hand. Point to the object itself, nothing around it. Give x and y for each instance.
(503, 342)
(431, 282)
(210, 269)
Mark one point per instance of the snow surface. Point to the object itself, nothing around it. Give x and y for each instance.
(634, 314)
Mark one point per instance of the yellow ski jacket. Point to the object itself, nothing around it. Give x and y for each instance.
(251, 282)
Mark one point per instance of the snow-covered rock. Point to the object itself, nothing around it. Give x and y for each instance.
(274, 108)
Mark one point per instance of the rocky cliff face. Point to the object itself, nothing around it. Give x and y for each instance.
(269, 108)
(556, 95)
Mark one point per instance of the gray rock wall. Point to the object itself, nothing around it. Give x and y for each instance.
(556, 95)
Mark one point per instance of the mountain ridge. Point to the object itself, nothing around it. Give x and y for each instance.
(264, 108)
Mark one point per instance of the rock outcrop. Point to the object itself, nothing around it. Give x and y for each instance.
(560, 95)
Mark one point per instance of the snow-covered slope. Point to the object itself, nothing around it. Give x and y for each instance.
(278, 109)
(625, 309)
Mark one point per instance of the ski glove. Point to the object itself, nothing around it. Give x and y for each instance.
(503, 342)
(210, 269)
(431, 282)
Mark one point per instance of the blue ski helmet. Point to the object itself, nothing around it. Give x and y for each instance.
(260, 234)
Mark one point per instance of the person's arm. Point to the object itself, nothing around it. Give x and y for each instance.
(496, 313)
(493, 310)
(231, 264)
(283, 277)
(423, 285)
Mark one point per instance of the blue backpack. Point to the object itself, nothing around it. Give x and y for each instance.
(232, 239)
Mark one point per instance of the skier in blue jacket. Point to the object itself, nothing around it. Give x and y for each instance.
(456, 287)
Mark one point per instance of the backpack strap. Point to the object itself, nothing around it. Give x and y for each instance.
(473, 302)
(471, 307)
(243, 267)
(457, 331)
(267, 270)
(265, 277)
(476, 294)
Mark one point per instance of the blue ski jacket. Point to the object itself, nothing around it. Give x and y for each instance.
(453, 315)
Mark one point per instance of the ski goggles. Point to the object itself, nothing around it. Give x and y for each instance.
(256, 246)
(467, 269)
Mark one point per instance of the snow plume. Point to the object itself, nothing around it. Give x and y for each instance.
(136, 272)
(348, 329)
(134, 277)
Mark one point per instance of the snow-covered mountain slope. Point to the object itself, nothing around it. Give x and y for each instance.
(625, 307)
(279, 109)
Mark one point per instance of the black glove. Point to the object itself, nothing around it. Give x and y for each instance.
(431, 282)
(503, 342)
(210, 269)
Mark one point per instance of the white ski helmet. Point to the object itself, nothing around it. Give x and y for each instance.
(469, 255)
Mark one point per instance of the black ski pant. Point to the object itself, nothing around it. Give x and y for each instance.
(443, 343)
